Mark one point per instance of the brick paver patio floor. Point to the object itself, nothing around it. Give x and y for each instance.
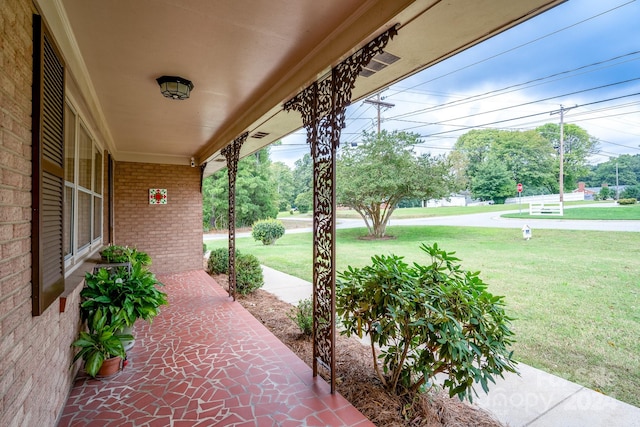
(205, 361)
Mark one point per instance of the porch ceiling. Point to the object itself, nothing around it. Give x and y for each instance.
(245, 58)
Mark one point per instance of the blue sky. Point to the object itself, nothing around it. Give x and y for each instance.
(561, 57)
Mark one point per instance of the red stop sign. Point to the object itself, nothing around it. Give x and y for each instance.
(519, 188)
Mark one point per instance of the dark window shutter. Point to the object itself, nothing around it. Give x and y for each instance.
(48, 170)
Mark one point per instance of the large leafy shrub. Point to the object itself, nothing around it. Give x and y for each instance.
(267, 231)
(426, 320)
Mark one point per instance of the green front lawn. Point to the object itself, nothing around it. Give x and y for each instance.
(624, 212)
(575, 294)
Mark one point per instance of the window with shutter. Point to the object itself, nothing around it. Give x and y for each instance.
(48, 170)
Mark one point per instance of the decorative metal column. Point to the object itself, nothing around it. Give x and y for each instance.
(322, 106)
(232, 153)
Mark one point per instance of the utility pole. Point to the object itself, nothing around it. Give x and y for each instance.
(617, 186)
(561, 179)
(379, 104)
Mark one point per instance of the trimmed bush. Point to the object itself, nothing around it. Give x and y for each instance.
(218, 262)
(248, 273)
(267, 231)
(426, 320)
(248, 270)
(302, 315)
(627, 201)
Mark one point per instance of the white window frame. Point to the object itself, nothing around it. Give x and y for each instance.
(80, 253)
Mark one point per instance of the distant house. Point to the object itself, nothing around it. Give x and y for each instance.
(590, 192)
(453, 200)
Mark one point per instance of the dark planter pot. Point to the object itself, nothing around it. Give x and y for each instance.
(110, 366)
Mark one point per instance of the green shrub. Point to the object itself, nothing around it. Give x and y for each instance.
(627, 201)
(605, 193)
(302, 315)
(631, 192)
(267, 231)
(248, 273)
(427, 320)
(304, 201)
(218, 262)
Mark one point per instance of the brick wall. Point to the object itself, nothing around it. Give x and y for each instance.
(34, 351)
(171, 234)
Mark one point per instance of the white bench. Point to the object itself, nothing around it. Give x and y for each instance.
(546, 209)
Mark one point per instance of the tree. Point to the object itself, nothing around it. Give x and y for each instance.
(631, 192)
(374, 176)
(493, 182)
(255, 193)
(302, 177)
(527, 157)
(578, 147)
(605, 173)
(283, 180)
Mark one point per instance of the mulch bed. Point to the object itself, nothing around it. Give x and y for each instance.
(356, 379)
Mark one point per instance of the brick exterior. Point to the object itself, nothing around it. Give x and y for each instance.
(171, 234)
(35, 352)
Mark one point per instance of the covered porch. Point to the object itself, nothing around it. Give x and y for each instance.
(206, 361)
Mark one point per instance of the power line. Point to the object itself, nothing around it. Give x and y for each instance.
(538, 101)
(505, 90)
(520, 45)
(528, 115)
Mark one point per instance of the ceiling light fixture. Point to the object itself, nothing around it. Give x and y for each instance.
(175, 87)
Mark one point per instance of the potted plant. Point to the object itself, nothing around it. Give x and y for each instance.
(130, 294)
(101, 347)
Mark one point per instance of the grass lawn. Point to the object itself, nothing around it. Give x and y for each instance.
(575, 294)
(625, 212)
(426, 212)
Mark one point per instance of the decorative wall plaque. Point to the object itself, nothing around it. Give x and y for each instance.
(157, 196)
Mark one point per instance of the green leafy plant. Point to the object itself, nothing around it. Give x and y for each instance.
(426, 320)
(118, 293)
(267, 231)
(101, 342)
(218, 262)
(249, 275)
(116, 253)
(302, 315)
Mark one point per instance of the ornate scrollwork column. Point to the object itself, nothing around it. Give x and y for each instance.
(322, 106)
(232, 154)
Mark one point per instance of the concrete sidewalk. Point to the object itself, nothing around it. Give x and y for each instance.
(535, 398)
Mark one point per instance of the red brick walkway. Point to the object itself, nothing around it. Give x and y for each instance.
(206, 361)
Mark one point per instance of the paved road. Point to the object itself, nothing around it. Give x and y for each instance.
(489, 219)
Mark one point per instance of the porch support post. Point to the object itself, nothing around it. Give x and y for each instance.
(232, 154)
(322, 106)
